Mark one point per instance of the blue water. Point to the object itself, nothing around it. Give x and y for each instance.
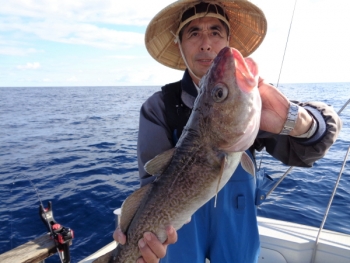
(76, 147)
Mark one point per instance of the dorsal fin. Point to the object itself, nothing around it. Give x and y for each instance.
(130, 206)
(248, 164)
(158, 164)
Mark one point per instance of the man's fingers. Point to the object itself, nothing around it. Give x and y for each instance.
(119, 236)
(151, 249)
(172, 235)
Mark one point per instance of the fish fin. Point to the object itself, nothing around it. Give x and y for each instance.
(158, 164)
(248, 164)
(130, 206)
(223, 164)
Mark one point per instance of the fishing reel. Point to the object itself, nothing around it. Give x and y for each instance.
(62, 235)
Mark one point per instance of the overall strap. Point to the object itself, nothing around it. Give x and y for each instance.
(176, 112)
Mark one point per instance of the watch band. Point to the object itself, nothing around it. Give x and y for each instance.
(291, 119)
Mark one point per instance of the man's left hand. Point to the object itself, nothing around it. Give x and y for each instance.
(274, 111)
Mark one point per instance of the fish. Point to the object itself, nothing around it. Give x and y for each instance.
(224, 122)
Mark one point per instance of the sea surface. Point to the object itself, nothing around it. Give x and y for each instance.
(76, 147)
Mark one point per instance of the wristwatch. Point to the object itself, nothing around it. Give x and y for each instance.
(291, 119)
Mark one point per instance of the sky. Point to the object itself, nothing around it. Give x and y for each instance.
(101, 43)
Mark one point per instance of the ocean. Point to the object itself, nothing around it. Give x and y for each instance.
(76, 147)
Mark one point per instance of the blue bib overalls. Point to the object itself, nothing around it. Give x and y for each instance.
(225, 233)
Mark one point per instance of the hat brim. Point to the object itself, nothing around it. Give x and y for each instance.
(248, 28)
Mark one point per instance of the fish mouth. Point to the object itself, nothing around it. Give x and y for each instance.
(247, 72)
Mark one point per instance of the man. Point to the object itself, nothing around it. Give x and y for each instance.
(297, 134)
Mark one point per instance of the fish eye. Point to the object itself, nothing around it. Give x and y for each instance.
(219, 93)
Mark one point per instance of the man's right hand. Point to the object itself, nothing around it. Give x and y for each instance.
(152, 250)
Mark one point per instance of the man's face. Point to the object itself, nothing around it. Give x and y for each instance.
(202, 40)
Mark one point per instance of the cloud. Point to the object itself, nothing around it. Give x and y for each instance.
(34, 65)
(90, 23)
(72, 79)
(15, 48)
(72, 33)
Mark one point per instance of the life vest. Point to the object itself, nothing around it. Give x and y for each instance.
(176, 112)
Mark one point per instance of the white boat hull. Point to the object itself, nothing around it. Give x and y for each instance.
(285, 242)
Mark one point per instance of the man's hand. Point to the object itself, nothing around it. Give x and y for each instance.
(274, 111)
(150, 247)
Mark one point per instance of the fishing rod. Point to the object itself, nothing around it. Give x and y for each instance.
(41, 204)
(285, 48)
(61, 235)
(46, 218)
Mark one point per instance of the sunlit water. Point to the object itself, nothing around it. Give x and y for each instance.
(76, 147)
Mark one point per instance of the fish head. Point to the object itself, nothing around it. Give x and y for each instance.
(228, 107)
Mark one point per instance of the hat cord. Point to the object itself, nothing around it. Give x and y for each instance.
(177, 41)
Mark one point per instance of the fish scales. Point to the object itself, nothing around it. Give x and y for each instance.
(223, 124)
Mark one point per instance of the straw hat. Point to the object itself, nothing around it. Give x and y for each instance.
(247, 22)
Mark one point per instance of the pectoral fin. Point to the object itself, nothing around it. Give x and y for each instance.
(130, 206)
(223, 164)
(158, 164)
(248, 164)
